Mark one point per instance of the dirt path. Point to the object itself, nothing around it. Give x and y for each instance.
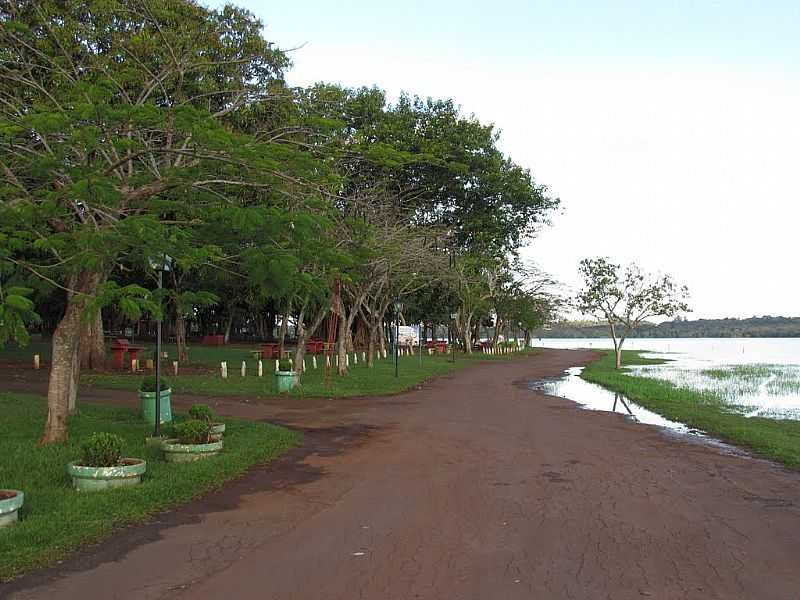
(472, 488)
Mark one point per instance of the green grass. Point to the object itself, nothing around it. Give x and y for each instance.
(777, 439)
(360, 381)
(56, 520)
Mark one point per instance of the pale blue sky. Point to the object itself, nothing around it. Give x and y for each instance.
(668, 129)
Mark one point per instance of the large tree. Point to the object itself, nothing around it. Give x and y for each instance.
(122, 121)
(625, 298)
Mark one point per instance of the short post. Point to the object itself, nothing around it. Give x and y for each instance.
(36, 363)
(244, 368)
(276, 365)
(314, 361)
(260, 368)
(291, 364)
(175, 368)
(384, 353)
(355, 358)
(346, 360)
(363, 356)
(223, 369)
(304, 365)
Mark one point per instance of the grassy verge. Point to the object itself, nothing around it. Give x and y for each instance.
(56, 520)
(771, 438)
(360, 381)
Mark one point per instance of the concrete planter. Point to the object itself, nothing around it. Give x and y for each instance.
(286, 380)
(147, 401)
(217, 428)
(90, 479)
(10, 503)
(176, 452)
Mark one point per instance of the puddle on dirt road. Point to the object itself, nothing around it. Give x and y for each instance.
(594, 397)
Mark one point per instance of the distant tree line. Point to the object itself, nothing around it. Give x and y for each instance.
(765, 326)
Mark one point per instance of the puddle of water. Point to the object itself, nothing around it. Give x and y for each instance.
(593, 397)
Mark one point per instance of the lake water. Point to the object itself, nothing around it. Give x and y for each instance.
(753, 376)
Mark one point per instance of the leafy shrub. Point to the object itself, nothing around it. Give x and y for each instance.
(201, 412)
(192, 432)
(284, 365)
(149, 384)
(102, 450)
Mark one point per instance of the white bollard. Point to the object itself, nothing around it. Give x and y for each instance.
(314, 361)
(134, 365)
(355, 358)
(363, 357)
(384, 353)
(327, 361)
(337, 360)
(304, 365)
(276, 365)
(291, 364)
(244, 369)
(346, 360)
(260, 369)
(430, 351)
(175, 368)
(223, 369)
(36, 362)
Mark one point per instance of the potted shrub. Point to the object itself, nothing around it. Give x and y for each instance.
(192, 441)
(10, 503)
(202, 412)
(285, 378)
(147, 399)
(102, 466)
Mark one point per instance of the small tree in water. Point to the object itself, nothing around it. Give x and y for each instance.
(626, 298)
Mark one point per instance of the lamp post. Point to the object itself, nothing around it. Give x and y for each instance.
(398, 307)
(160, 266)
(453, 317)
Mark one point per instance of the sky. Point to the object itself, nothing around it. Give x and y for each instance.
(668, 129)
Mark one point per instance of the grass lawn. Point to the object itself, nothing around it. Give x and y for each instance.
(771, 438)
(361, 380)
(56, 520)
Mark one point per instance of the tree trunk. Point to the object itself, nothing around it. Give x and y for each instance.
(618, 353)
(283, 330)
(228, 325)
(65, 363)
(468, 335)
(93, 348)
(341, 346)
(180, 338)
(305, 333)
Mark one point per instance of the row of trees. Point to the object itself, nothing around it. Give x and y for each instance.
(132, 131)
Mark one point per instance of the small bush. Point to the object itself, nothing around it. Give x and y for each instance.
(284, 365)
(201, 412)
(192, 432)
(149, 384)
(102, 450)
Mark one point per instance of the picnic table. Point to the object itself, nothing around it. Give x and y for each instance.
(119, 347)
(440, 346)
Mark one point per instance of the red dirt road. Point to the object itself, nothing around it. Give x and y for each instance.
(473, 487)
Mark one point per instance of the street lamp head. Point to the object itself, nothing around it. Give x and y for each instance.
(161, 263)
(398, 306)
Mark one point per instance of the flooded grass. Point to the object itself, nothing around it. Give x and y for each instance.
(711, 403)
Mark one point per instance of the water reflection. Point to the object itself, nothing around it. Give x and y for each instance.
(593, 397)
(755, 377)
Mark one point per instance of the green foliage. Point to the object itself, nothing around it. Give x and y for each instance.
(17, 311)
(56, 521)
(777, 439)
(201, 412)
(148, 384)
(102, 449)
(192, 431)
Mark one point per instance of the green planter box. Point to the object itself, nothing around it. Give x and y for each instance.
(90, 479)
(181, 453)
(10, 503)
(286, 380)
(147, 400)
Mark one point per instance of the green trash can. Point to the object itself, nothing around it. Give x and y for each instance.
(286, 380)
(148, 404)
